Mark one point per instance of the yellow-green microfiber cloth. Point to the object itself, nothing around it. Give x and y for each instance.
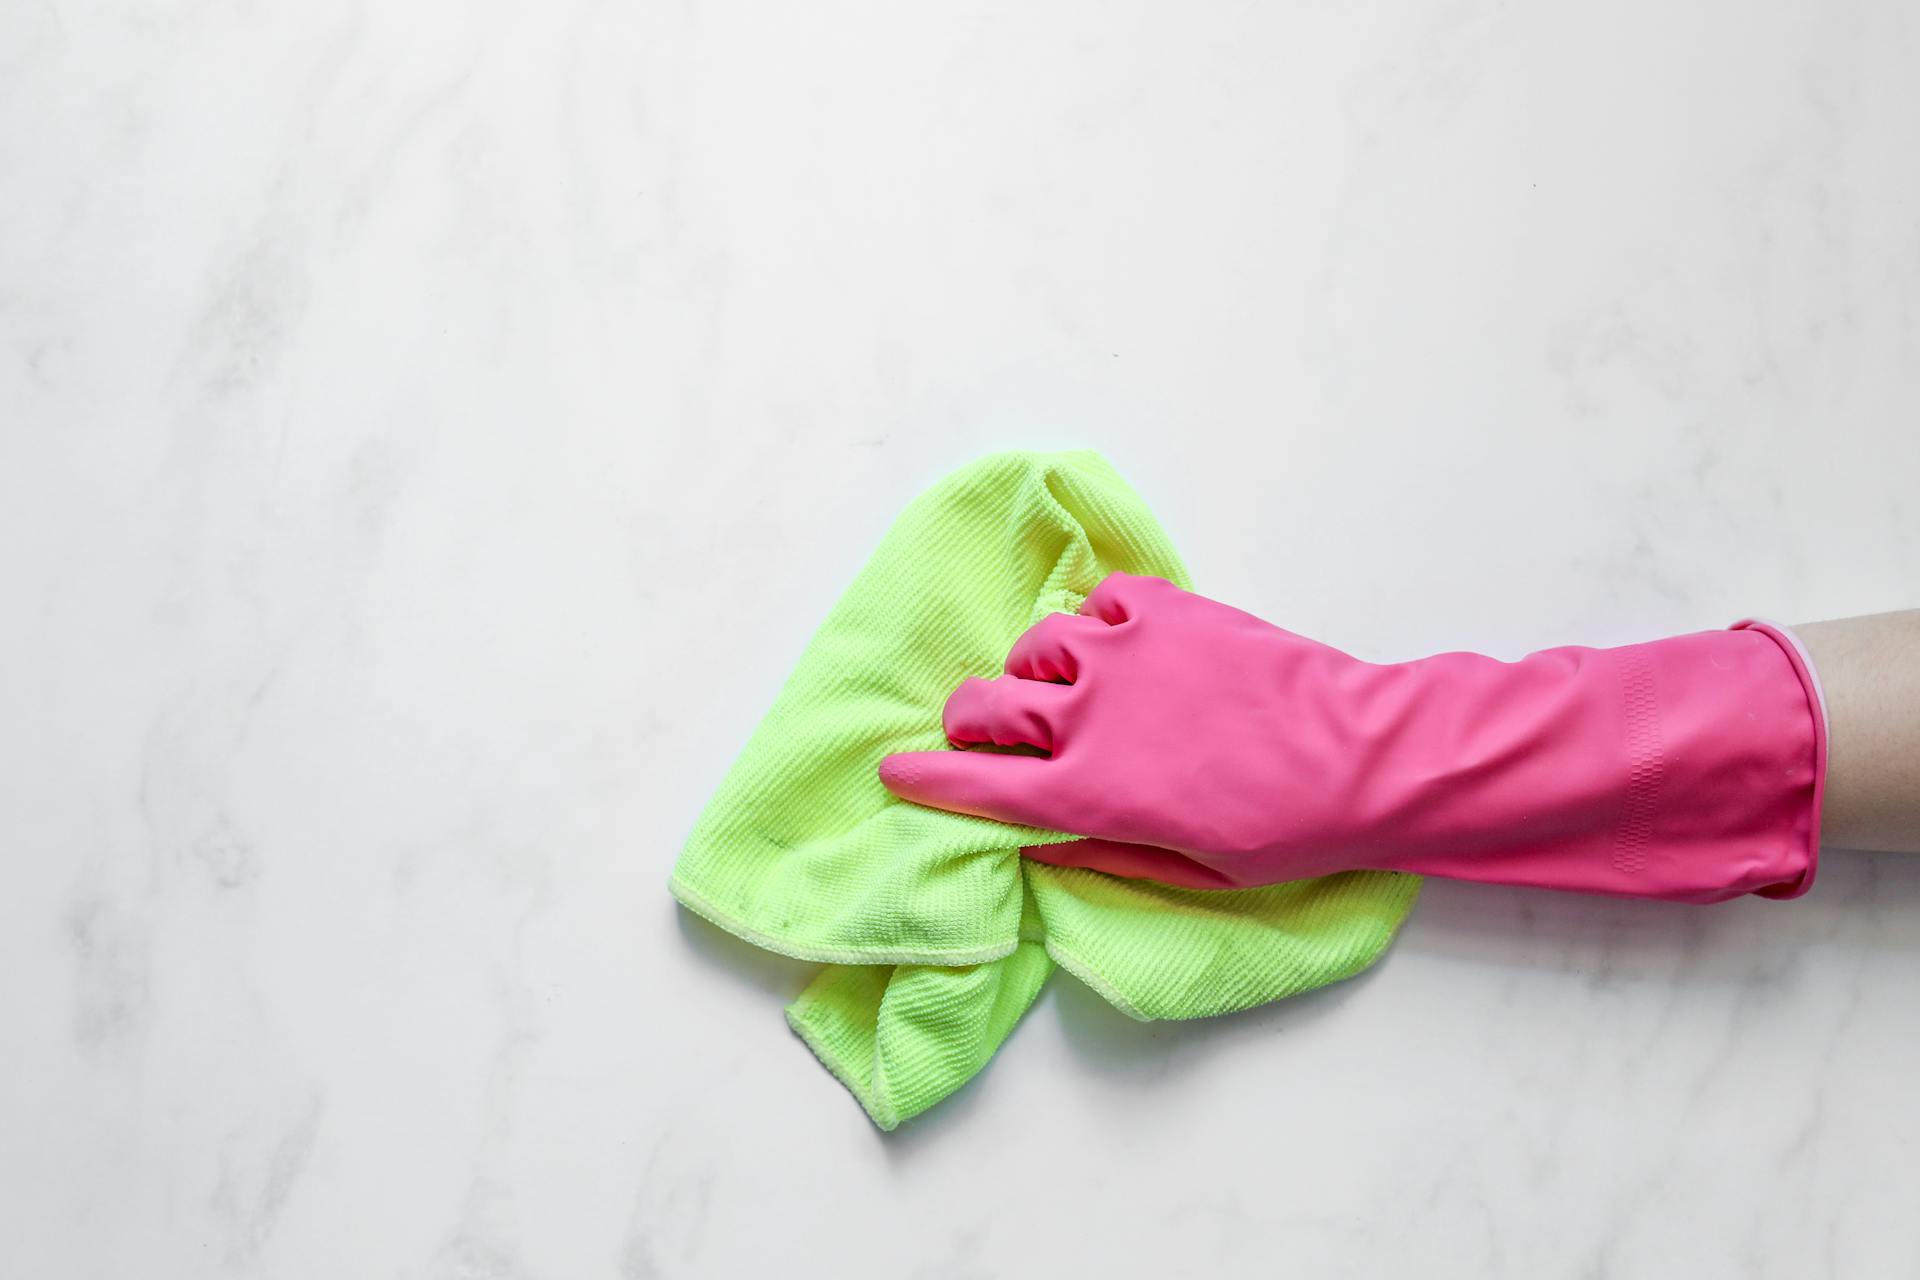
(936, 934)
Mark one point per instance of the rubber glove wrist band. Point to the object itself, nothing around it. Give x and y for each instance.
(1817, 711)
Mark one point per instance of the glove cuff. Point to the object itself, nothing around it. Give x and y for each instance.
(1689, 769)
(1809, 677)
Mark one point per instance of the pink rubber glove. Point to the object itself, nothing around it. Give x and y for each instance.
(1200, 746)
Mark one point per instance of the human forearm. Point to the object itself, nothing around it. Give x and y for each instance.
(1869, 668)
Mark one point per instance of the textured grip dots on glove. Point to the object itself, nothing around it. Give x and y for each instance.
(1644, 763)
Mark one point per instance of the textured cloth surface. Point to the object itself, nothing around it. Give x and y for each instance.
(937, 935)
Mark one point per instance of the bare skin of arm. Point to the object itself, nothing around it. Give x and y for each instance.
(1870, 671)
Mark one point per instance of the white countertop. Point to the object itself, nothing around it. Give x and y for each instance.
(429, 433)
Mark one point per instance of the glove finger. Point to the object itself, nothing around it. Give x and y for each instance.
(1121, 596)
(982, 783)
(1132, 861)
(1006, 711)
(1049, 649)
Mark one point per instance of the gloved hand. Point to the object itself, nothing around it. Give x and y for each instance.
(1200, 746)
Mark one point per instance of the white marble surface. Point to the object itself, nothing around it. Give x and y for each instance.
(432, 430)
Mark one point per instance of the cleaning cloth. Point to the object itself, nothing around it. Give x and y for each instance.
(936, 934)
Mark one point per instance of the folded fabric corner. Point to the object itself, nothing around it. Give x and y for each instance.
(903, 1037)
